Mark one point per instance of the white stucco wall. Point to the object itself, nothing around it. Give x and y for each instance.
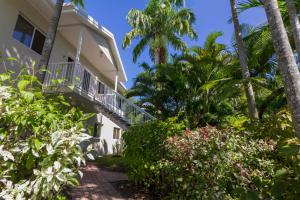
(9, 12)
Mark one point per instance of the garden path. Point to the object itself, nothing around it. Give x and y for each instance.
(95, 184)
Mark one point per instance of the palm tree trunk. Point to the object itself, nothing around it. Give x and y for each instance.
(244, 63)
(157, 56)
(294, 21)
(160, 56)
(286, 60)
(51, 34)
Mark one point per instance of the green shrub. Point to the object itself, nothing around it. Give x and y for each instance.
(278, 126)
(112, 162)
(144, 146)
(209, 163)
(39, 140)
(217, 164)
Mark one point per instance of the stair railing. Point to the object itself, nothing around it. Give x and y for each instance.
(85, 82)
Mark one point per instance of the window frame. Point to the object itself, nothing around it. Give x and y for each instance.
(35, 28)
(100, 83)
(116, 133)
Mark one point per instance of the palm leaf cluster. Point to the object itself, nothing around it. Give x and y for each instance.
(160, 25)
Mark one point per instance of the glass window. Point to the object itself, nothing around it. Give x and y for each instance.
(119, 102)
(38, 42)
(27, 34)
(101, 88)
(116, 133)
(23, 31)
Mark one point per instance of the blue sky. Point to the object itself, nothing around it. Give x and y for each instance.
(212, 15)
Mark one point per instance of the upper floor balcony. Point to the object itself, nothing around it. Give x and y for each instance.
(74, 78)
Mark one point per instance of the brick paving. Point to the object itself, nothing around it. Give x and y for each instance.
(95, 184)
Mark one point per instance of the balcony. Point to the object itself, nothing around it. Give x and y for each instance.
(76, 79)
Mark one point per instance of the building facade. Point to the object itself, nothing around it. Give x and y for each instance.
(85, 56)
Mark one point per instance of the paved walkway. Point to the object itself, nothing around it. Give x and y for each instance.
(95, 184)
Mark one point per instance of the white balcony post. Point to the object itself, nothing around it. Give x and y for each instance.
(116, 81)
(79, 45)
(76, 69)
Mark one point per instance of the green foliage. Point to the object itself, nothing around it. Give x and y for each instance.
(114, 163)
(160, 25)
(278, 126)
(253, 161)
(287, 177)
(195, 85)
(144, 147)
(217, 164)
(39, 140)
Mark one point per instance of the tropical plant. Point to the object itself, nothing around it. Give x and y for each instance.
(144, 147)
(51, 35)
(160, 25)
(198, 74)
(40, 138)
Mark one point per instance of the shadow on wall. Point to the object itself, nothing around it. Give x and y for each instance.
(118, 147)
(22, 59)
(99, 147)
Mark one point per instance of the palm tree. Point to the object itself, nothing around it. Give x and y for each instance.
(294, 21)
(243, 62)
(161, 24)
(287, 64)
(51, 34)
(160, 87)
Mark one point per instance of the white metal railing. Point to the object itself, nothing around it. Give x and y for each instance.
(85, 82)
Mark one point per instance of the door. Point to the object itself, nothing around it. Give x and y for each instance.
(70, 70)
(86, 81)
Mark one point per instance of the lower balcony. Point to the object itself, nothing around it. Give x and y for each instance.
(76, 80)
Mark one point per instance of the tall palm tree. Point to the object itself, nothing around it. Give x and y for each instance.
(287, 64)
(244, 63)
(161, 24)
(295, 24)
(51, 34)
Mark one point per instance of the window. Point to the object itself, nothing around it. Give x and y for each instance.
(27, 34)
(119, 102)
(116, 133)
(101, 88)
(38, 42)
(97, 130)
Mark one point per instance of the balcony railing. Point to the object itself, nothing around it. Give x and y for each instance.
(86, 83)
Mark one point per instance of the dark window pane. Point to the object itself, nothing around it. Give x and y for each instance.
(23, 31)
(101, 88)
(86, 81)
(38, 42)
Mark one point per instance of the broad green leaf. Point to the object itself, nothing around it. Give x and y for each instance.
(29, 161)
(38, 144)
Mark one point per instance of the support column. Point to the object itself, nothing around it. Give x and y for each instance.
(78, 52)
(79, 46)
(116, 81)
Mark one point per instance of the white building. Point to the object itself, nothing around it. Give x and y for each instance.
(85, 55)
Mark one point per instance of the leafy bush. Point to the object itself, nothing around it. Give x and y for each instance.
(144, 146)
(214, 164)
(113, 163)
(39, 140)
(278, 126)
(246, 163)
